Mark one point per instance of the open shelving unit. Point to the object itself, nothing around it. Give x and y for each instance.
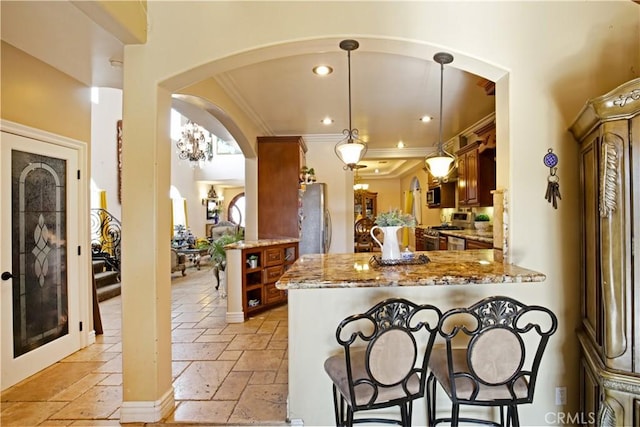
(259, 290)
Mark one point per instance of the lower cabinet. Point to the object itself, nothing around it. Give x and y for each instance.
(262, 267)
(475, 244)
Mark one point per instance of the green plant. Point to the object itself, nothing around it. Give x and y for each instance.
(253, 257)
(482, 218)
(217, 251)
(395, 218)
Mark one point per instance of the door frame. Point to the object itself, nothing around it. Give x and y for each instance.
(85, 295)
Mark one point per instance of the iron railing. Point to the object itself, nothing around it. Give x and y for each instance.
(106, 235)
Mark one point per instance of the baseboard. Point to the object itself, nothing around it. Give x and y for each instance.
(235, 317)
(147, 412)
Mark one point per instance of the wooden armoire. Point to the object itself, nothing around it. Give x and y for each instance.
(608, 131)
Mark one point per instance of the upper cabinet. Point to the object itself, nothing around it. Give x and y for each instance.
(366, 204)
(279, 161)
(477, 169)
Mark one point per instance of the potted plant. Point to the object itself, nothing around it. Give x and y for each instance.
(482, 222)
(219, 257)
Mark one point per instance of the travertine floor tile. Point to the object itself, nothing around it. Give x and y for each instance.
(261, 360)
(49, 382)
(263, 377)
(210, 362)
(28, 413)
(232, 386)
(202, 412)
(201, 379)
(249, 342)
(185, 335)
(99, 402)
(79, 388)
(230, 355)
(262, 404)
(197, 351)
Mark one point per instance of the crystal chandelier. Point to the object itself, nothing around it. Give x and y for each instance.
(441, 163)
(195, 144)
(351, 149)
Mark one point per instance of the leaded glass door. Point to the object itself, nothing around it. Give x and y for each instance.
(40, 321)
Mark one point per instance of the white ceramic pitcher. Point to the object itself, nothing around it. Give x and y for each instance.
(390, 247)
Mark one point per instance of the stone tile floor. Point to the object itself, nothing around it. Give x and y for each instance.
(223, 374)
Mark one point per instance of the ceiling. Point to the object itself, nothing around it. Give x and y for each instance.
(390, 92)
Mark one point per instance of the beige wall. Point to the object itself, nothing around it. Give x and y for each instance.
(389, 193)
(38, 95)
(542, 78)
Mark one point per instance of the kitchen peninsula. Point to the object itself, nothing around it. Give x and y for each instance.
(325, 289)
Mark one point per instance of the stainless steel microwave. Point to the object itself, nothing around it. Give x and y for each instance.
(433, 196)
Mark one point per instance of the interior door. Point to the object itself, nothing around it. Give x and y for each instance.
(39, 239)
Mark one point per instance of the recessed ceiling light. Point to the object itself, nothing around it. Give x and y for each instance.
(400, 144)
(426, 119)
(322, 70)
(326, 121)
(377, 170)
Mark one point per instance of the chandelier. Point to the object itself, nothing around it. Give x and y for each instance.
(358, 185)
(441, 162)
(195, 144)
(351, 149)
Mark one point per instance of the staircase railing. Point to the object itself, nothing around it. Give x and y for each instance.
(106, 235)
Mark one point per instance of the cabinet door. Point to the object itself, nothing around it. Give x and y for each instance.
(591, 293)
(462, 179)
(589, 394)
(472, 177)
(443, 246)
(475, 244)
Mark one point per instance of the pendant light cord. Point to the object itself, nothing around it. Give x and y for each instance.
(440, 145)
(349, 79)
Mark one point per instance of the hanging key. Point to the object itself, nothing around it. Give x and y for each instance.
(553, 186)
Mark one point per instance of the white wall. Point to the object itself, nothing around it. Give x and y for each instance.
(104, 154)
(329, 169)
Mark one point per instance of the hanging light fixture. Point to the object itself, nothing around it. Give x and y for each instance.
(351, 149)
(194, 145)
(441, 163)
(358, 185)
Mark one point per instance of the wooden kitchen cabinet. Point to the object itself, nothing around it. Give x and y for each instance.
(476, 175)
(476, 244)
(259, 290)
(443, 244)
(279, 161)
(608, 131)
(420, 244)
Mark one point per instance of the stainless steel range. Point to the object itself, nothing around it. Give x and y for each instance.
(459, 221)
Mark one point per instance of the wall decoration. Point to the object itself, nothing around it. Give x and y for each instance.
(119, 159)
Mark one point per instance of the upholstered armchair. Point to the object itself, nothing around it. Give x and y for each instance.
(178, 262)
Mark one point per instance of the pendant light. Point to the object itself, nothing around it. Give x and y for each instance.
(351, 149)
(441, 163)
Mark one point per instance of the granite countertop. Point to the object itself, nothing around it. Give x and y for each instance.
(479, 235)
(242, 244)
(445, 268)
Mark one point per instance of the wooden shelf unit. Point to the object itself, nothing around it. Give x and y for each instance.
(259, 283)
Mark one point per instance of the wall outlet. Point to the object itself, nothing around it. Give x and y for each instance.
(561, 395)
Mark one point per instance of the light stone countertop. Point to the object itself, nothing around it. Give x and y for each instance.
(260, 243)
(479, 235)
(445, 268)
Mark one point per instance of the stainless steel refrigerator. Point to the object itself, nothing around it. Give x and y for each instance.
(315, 229)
